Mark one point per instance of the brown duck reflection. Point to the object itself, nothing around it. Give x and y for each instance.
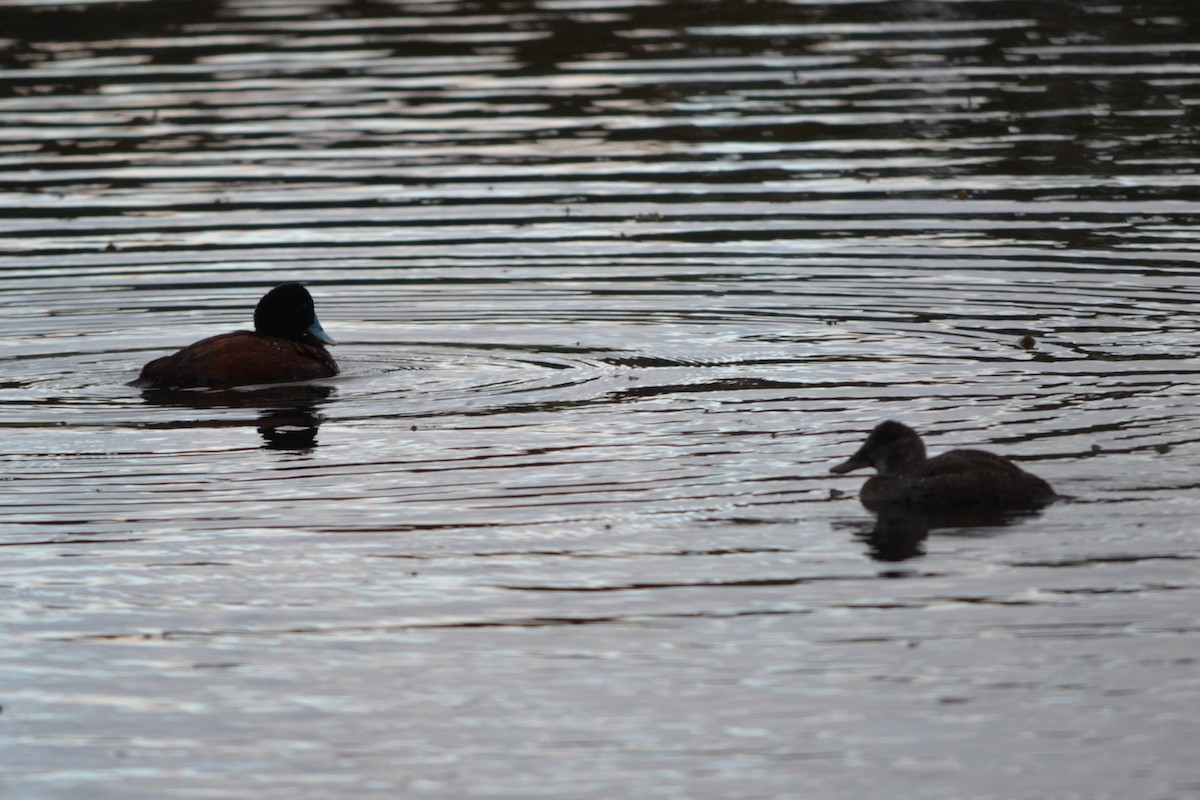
(899, 534)
(288, 418)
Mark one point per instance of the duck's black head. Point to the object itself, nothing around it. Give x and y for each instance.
(892, 448)
(287, 311)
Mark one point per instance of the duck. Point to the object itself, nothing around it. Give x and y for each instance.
(286, 345)
(956, 479)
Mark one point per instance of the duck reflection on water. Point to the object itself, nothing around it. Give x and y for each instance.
(912, 494)
(288, 417)
(898, 534)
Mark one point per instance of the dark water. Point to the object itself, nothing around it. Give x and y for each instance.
(615, 284)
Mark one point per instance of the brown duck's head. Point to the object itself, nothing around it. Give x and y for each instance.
(892, 448)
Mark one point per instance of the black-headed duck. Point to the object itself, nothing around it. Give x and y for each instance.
(954, 479)
(286, 345)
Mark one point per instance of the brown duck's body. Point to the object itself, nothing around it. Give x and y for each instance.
(241, 358)
(286, 345)
(955, 479)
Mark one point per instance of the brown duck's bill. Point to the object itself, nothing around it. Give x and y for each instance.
(849, 465)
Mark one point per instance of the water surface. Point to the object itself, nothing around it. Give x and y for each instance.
(615, 284)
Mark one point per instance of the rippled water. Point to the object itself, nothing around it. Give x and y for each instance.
(615, 284)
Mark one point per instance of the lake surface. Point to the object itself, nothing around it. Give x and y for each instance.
(614, 285)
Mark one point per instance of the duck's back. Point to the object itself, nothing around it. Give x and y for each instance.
(960, 478)
(242, 358)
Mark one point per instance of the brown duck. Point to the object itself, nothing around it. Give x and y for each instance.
(955, 479)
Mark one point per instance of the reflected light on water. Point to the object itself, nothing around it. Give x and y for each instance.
(614, 285)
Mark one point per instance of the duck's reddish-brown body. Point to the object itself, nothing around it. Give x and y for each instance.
(241, 358)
